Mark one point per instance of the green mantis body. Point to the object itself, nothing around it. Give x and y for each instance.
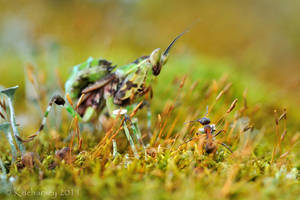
(97, 84)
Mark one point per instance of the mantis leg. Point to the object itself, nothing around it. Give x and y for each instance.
(129, 138)
(137, 132)
(114, 110)
(149, 116)
(111, 107)
(89, 114)
(58, 100)
(115, 151)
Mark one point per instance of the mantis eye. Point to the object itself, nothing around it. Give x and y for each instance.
(155, 57)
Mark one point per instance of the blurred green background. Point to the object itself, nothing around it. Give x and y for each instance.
(258, 39)
(254, 43)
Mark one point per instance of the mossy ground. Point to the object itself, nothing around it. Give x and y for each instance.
(264, 164)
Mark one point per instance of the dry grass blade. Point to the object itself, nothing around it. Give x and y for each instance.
(276, 117)
(283, 115)
(220, 95)
(284, 154)
(232, 106)
(30, 73)
(81, 99)
(109, 136)
(136, 109)
(194, 85)
(283, 135)
(182, 82)
(3, 105)
(2, 115)
(69, 99)
(106, 140)
(77, 130)
(224, 91)
(227, 87)
(172, 126)
(277, 143)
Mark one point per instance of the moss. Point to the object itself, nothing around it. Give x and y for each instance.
(170, 170)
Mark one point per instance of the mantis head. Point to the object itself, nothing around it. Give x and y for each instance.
(158, 59)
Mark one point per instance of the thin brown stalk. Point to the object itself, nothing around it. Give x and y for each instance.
(173, 125)
(69, 99)
(232, 106)
(2, 115)
(277, 136)
(3, 105)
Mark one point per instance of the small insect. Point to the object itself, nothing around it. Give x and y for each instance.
(96, 85)
(210, 144)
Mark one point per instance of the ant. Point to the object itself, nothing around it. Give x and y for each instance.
(210, 145)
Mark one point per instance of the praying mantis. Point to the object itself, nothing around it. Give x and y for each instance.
(96, 84)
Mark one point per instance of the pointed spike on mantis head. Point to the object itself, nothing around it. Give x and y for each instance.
(158, 59)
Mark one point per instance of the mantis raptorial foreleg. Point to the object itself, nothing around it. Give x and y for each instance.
(149, 116)
(129, 138)
(58, 100)
(137, 132)
(114, 111)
